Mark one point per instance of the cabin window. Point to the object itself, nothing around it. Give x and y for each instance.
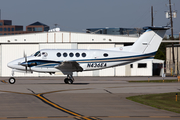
(83, 54)
(45, 54)
(142, 65)
(71, 54)
(131, 65)
(77, 54)
(65, 54)
(105, 55)
(58, 54)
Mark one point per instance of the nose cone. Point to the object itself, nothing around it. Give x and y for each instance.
(15, 64)
(11, 64)
(19, 64)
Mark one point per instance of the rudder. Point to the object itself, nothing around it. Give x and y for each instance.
(150, 40)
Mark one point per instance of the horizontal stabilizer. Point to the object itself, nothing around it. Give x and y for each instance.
(156, 28)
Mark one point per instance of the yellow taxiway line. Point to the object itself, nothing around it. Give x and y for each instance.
(90, 117)
(45, 100)
(73, 114)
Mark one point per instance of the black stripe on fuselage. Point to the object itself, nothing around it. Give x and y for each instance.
(50, 63)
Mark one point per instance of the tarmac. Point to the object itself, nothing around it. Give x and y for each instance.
(89, 98)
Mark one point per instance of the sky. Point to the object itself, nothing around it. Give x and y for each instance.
(78, 15)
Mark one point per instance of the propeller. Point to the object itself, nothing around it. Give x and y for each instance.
(25, 57)
(25, 64)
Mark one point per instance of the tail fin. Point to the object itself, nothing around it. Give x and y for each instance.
(150, 40)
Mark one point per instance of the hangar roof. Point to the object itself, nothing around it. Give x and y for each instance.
(37, 23)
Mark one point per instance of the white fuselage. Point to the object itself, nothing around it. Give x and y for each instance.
(47, 59)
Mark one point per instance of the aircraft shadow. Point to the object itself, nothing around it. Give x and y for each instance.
(80, 83)
(60, 83)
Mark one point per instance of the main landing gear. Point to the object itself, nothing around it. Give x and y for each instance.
(69, 79)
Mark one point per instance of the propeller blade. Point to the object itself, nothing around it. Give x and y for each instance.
(26, 65)
(25, 57)
(26, 69)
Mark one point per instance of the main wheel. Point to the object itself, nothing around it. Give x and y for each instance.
(70, 81)
(12, 80)
(66, 80)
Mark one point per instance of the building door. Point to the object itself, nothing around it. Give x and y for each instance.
(157, 69)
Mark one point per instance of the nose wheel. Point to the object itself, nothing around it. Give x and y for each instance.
(69, 79)
(12, 80)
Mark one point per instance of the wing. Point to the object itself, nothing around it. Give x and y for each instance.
(69, 67)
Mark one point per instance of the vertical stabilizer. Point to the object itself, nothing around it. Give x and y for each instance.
(150, 40)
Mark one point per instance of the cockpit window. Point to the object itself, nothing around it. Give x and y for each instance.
(37, 54)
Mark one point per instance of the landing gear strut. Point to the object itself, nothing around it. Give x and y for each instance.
(69, 79)
(12, 80)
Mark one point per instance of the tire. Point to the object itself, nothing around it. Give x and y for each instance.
(70, 81)
(12, 80)
(66, 80)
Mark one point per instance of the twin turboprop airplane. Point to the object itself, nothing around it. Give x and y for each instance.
(77, 60)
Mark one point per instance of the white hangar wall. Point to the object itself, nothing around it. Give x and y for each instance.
(65, 37)
(11, 52)
(13, 46)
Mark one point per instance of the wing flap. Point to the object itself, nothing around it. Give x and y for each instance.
(69, 66)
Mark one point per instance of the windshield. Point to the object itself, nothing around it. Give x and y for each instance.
(37, 53)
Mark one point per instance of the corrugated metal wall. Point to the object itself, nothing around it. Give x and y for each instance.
(65, 37)
(11, 52)
(0, 60)
(169, 60)
(58, 46)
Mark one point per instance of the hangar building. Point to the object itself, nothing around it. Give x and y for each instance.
(13, 47)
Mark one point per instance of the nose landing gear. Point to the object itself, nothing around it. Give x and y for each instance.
(69, 79)
(12, 80)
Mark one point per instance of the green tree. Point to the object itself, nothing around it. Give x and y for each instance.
(161, 53)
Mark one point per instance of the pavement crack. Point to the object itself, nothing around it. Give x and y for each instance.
(31, 91)
(108, 91)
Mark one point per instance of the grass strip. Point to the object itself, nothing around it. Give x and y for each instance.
(165, 101)
(154, 81)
